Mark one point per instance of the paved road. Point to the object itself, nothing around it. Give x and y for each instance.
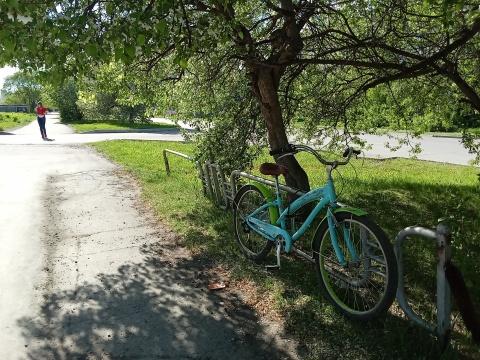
(30, 135)
(449, 150)
(87, 274)
(440, 149)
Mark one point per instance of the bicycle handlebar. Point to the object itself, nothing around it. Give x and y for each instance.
(294, 149)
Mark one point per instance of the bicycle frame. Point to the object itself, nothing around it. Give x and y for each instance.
(326, 197)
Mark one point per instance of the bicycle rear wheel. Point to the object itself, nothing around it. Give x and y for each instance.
(364, 287)
(253, 245)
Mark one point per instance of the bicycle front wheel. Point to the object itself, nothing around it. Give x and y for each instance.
(253, 245)
(364, 286)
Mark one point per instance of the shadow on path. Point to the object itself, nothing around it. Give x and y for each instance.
(154, 309)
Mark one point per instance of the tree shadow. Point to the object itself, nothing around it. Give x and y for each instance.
(393, 205)
(154, 309)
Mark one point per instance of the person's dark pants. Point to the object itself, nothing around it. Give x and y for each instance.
(41, 123)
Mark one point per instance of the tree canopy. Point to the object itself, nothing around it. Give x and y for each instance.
(317, 56)
(21, 88)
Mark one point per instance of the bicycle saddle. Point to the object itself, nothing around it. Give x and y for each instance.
(273, 169)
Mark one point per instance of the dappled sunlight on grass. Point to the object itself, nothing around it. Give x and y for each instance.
(397, 193)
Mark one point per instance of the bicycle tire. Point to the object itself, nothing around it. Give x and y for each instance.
(243, 234)
(335, 280)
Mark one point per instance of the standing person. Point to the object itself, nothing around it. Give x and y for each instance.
(41, 112)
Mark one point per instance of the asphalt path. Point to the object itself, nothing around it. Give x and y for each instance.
(88, 273)
(438, 149)
(64, 135)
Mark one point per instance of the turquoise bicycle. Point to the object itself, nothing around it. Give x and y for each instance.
(353, 258)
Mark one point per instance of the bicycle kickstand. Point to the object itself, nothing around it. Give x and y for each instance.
(277, 251)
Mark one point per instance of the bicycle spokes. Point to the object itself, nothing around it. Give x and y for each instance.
(360, 281)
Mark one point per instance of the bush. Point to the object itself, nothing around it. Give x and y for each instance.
(104, 107)
(66, 99)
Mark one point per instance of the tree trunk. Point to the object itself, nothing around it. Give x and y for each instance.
(265, 85)
(469, 92)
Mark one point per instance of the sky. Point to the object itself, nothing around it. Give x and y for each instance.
(4, 72)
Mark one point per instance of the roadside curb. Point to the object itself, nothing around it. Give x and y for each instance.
(447, 136)
(148, 130)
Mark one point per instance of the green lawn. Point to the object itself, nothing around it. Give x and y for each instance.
(397, 193)
(14, 120)
(100, 126)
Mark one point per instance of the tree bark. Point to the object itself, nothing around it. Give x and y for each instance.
(469, 92)
(265, 82)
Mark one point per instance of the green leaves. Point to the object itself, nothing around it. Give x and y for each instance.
(141, 39)
(91, 50)
(183, 63)
(12, 4)
(129, 51)
(110, 8)
(161, 27)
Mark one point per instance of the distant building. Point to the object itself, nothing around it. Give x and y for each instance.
(14, 108)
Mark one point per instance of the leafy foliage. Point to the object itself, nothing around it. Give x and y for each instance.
(299, 59)
(66, 98)
(110, 95)
(226, 113)
(22, 88)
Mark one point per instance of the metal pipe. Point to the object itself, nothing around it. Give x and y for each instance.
(401, 296)
(201, 175)
(165, 158)
(216, 183)
(208, 180)
(303, 255)
(238, 173)
(441, 237)
(443, 288)
(219, 181)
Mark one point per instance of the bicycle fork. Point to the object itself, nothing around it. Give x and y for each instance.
(333, 225)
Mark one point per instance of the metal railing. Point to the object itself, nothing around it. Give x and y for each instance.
(165, 158)
(441, 238)
(187, 157)
(214, 183)
(219, 191)
(236, 174)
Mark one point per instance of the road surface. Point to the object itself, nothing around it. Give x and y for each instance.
(448, 150)
(86, 272)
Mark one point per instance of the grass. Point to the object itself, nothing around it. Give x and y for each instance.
(475, 131)
(85, 126)
(396, 192)
(10, 121)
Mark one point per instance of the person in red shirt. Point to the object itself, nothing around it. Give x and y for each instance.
(41, 112)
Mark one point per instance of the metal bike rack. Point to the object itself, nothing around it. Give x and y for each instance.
(165, 158)
(236, 174)
(214, 183)
(200, 170)
(441, 237)
(222, 191)
(217, 184)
